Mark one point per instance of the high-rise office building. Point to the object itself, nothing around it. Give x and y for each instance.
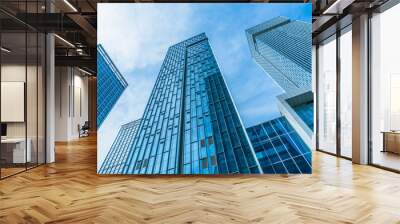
(282, 47)
(279, 149)
(116, 157)
(190, 124)
(110, 85)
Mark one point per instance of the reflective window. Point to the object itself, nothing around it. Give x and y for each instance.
(110, 85)
(327, 95)
(114, 163)
(385, 89)
(346, 92)
(284, 152)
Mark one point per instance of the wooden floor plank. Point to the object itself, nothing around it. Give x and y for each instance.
(70, 191)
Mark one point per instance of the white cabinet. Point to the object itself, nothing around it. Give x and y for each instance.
(19, 155)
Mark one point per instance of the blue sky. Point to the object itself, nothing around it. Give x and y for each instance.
(137, 36)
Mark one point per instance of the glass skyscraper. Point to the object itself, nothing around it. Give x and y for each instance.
(116, 157)
(282, 47)
(110, 85)
(279, 149)
(190, 124)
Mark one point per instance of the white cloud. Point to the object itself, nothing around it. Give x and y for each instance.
(230, 53)
(152, 28)
(258, 114)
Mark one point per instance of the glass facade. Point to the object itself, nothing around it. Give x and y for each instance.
(327, 92)
(110, 85)
(116, 157)
(279, 149)
(289, 64)
(306, 113)
(22, 77)
(385, 89)
(234, 154)
(282, 47)
(190, 124)
(345, 53)
(358, 77)
(335, 93)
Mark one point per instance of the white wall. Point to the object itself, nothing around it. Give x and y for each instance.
(61, 83)
(71, 102)
(33, 126)
(13, 99)
(12, 73)
(80, 110)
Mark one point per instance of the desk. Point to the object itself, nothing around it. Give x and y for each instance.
(13, 150)
(391, 141)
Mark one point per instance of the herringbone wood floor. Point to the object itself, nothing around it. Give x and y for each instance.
(69, 191)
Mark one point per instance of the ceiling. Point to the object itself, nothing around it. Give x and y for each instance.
(331, 15)
(74, 22)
